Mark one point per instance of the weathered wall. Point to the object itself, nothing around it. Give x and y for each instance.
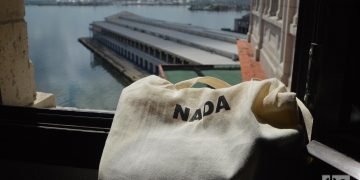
(272, 34)
(17, 84)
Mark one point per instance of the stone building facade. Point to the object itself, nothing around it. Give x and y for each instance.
(272, 33)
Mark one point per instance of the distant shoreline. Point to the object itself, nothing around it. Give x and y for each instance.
(102, 4)
(213, 8)
(68, 4)
(218, 7)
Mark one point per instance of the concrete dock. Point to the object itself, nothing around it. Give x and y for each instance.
(128, 69)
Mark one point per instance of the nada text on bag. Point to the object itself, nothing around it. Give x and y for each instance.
(198, 115)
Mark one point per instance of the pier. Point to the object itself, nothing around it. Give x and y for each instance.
(137, 45)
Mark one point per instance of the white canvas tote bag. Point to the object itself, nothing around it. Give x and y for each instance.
(172, 131)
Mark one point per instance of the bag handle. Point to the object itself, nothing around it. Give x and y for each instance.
(211, 81)
(308, 119)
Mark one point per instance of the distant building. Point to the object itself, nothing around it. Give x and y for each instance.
(241, 25)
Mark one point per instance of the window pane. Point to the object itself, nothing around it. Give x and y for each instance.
(83, 76)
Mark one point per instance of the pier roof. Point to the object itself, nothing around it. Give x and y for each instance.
(188, 52)
(192, 28)
(175, 30)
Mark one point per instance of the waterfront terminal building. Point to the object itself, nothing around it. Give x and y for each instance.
(148, 42)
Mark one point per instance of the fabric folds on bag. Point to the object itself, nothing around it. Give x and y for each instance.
(247, 131)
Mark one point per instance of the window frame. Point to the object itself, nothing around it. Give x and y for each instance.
(326, 81)
(54, 136)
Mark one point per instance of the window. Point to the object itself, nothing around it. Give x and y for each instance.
(178, 61)
(150, 67)
(151, 51)
(141, 62)
(62, 68)
(145, 65)
(157, 53)
(170, 59)
(163, 56)
(156, 70)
